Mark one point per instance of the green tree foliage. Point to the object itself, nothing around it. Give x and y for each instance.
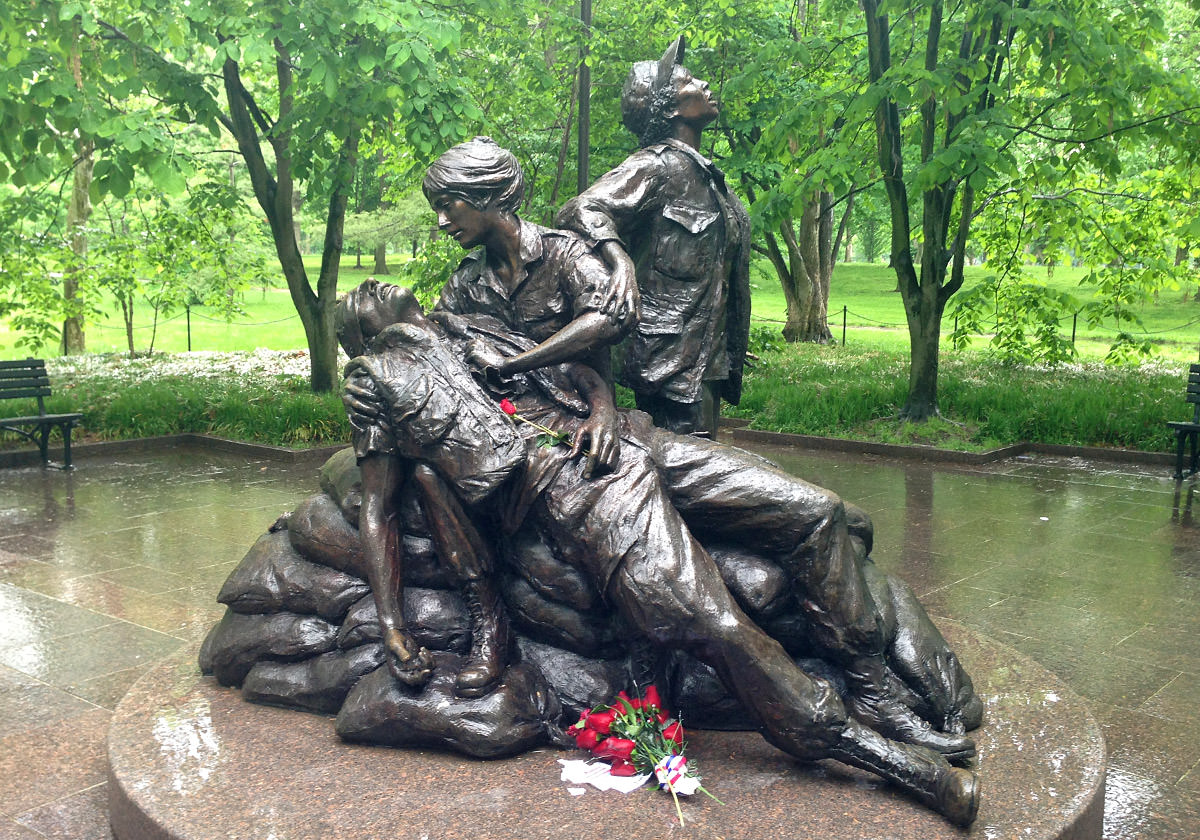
(33, 258)
(1060, 130)
(783, 104)
(297, 85)
(968, 99)
(177, 254)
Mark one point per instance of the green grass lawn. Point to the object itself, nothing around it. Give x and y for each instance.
(269, 320)
(851, 391)
(873, 314)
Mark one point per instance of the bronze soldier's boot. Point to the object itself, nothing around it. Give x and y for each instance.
(870, 702)
(489, 640)
(952, 792)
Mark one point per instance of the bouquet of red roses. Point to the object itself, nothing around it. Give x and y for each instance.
(637, 735)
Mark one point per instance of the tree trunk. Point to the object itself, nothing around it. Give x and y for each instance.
(297, 230)
(792, 278)
(381, 259)
(805, 289)
(276, 196)
(324, 349)
(563, 147)
(127, 317)
(924, 312)
(78, 212)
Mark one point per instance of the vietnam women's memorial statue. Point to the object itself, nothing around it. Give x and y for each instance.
(602, 555)
(502, 549)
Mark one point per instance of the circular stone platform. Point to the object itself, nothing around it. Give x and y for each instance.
(190, 760)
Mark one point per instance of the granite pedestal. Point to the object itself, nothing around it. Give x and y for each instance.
(190, 760)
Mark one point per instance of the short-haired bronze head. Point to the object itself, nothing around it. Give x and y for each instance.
(349, 327)
(480, 172)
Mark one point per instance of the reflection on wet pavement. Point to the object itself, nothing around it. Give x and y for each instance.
(1091, 569)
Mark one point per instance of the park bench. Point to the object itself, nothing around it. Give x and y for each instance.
(27, 379)
(1188, 431)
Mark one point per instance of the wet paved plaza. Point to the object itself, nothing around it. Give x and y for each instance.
(1092, 569)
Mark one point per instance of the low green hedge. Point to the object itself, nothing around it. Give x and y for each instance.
(806, 389)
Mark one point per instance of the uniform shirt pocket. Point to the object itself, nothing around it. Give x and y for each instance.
(686, 241)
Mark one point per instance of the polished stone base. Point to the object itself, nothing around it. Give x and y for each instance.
(189, 760)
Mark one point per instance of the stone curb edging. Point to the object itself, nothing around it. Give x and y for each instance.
(31, 457)
(736, 426)
(949, 456)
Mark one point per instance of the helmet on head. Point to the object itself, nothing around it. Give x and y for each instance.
(647, 95)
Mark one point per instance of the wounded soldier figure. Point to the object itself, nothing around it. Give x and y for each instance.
(632, 507)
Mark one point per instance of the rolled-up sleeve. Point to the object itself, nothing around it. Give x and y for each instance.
(369, 435)
(608, 209)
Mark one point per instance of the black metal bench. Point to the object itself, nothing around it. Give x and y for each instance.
(27, 379)
(1188, 431)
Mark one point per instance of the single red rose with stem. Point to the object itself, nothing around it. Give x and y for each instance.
(548, 437)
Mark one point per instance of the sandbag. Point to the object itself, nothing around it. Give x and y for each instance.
(341, 480)
(320, 533)
(760, 587)
(436, 618)
(588, 634)
(317, 685)
(272, 577)
(860, 526)
(239, 640)
(361, 625)
(530, 557)
(579, 683)
(520, 714)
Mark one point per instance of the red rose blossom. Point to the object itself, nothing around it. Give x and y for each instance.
(507, 407)
(620, 749)
(587, 739)
(674, 732)
(601, 721)
(650, 698)
(662, 716)
(622, 768)
(631, 704)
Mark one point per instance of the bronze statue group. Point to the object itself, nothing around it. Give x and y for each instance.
(646, 283)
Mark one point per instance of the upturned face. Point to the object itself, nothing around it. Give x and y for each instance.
(694, 101)
(389, 305)
(465, 224)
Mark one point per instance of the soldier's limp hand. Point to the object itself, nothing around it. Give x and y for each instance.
(409, 662)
